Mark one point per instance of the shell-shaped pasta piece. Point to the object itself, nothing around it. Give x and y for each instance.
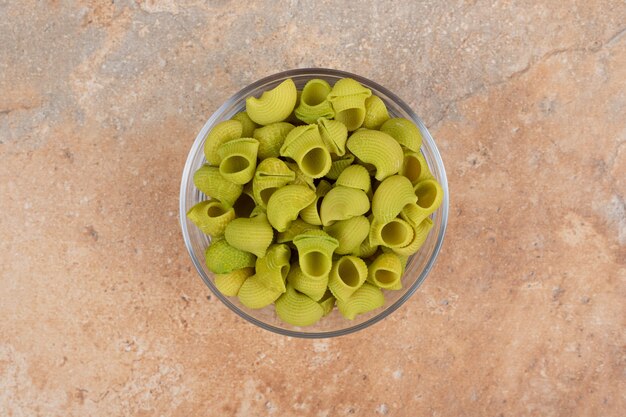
(348, 100)
(253, 294)
(298, 226)
(313, 102)
(391, 196)
(393, 234)
(338, 165)
(375, 113)
(356, 176)
(247, 124)
(350, 233)
(315, 252)
(286, 203)
(252, 235)
(274, 105)
(334, 134)
(315, 288)
(404, 131)
(379, 149)
(270, 175)
(367, 298)
(298, 309)
(420, 233)
(327, 302)
(211, 216)
(311, 213)
(271, 138)
(347, 275)
(229, 284)
(273, 268)
(221, 258)
(342, 203)
(238, 159)
(209, 180)
(386, 271)
(414, 167)
(429, 197)
(301, 177)
(366, 249)
(305, 146)
(222, 132)
(244, 204)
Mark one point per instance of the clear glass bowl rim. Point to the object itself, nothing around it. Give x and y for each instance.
(247, 91)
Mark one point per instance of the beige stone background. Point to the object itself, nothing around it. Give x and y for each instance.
(102, 313)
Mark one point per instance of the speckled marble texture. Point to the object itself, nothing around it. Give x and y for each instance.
(103, 315)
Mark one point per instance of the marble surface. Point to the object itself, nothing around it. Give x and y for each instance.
(103, 315)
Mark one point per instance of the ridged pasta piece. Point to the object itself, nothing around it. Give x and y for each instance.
(313, 102)
(247, 124)
(391, 196)
(367, 298)
(348, 100)
(271, 138)
(394, 234)
(311, 213)
(315, 251)
(253, 294)
(245, 203)
(349, 233)
(252, 235)
(379, 149)
(272, 270)
(420, 233)
(375, 113)
(301, 177)
(356, 176)
(404, 131)
(221, 258)
(346, 276)
(296, 227)
(209, 180)
(312, 287)
(414, 167)
(286, 203)
(229, 284)
(270, 175)
(238, 159)
(211, 216)
(298, 309)
(365, 249)
(342, 203)
(334, 134)
(429, 197)
(386, 272)
(338, 165)
(274, 105)
(327, 302)
(305, 146)
(222, 132)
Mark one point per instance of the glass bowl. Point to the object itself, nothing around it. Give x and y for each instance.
(334, 324)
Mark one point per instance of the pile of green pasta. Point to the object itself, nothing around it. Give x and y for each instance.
(317, 198)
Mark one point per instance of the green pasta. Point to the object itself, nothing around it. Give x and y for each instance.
(311, 213)
(298, 309)
(348, 100)
(314, 287)
(313, 103)
(221, 258)
(305, 146)
(379, 149)
(375, 113)
(334, 134)
(271, 174)
(253, 294)
(338, 165)
(414, 167)
(238, 159)
(327, 302)
(209, 180)
(350, 233)
(274, 105)
(247, 124)
(386, 272)
(394, 234)
(286, 203)
(272, 270)
(222, 132)
(356, 176)
(342, 203)
(245, 203)
(211, 217)
(420, 233)
(229, 284)
(271, 138)
(405, 132)
(429, 198)
(366, 249)
(301, 178)
(252, 235)
(346, 276)
(298, 226)
(367, 298)
(315, 251)
(391, 196)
